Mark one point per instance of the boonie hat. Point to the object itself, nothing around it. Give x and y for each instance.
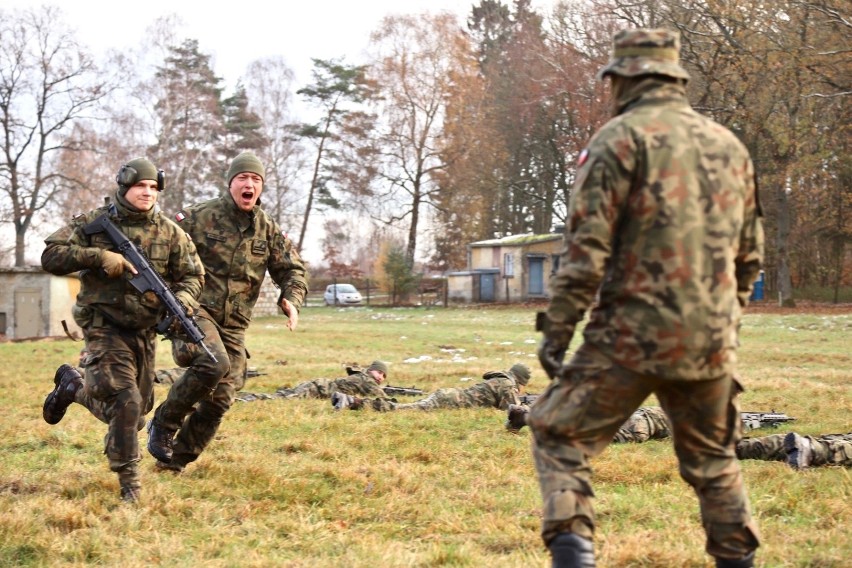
(645, 52)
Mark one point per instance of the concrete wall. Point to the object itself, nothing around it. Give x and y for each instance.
(460, 287)
(55, 296)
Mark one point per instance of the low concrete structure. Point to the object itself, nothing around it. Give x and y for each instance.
(509, 269)
(34, 303)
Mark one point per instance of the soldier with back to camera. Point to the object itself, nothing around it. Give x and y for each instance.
(664, 230)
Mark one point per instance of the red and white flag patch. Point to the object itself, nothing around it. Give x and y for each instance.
(583, 157)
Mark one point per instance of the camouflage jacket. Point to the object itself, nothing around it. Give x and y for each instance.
(357, 384)
(498, 389)
(237, 249)
(115, 300)
(664, 226)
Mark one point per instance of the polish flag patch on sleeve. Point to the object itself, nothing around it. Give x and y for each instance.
(583, 157)
(180, 216)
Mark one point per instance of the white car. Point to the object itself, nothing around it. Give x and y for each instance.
(342, 295)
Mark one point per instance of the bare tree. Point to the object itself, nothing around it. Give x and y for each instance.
(269, 84)
(48, 83)
(417, 60)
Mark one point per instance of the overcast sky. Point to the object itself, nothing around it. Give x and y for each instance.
(237, 33)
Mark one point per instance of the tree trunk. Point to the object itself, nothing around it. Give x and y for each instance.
(314, 181)
(20, 247)
(785, 283)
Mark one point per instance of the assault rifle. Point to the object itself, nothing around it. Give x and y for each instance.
(755, 420)
(148, 279)
(528, 399)
(403, 391)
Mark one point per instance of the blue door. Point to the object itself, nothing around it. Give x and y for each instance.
(486, 287)
(536, 272)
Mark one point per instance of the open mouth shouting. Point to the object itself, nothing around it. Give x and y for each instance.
(245, 190)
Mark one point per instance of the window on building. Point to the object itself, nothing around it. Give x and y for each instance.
(508, 265)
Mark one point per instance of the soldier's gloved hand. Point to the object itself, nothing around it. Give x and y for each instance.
(186, 301)
(114, 264)
(554, 344)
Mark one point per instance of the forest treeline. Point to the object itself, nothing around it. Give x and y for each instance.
(449, 131)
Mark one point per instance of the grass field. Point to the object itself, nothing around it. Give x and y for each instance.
(293, 483)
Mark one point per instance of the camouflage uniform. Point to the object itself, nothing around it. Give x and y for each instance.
(168, 376)
(828, 449)
(357, 384)
(646, 423)
(118, 323)
(237, 249)
(664, 233)
(498, 389)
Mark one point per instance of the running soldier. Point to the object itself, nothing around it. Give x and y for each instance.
(238, 242)
(117, 322)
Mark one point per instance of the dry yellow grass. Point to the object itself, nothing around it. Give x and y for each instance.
(293, 483)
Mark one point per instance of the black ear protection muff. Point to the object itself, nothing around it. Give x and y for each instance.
(127, 176)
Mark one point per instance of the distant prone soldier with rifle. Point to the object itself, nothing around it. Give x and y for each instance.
(126, 290)
(357, 382)
(798, 451)
(498, 389)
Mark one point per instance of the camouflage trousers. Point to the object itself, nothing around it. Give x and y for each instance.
(200, 377)
(578, 414)
(647, 423)
(829, 449)
(318, 388)
(198, 401)
(118, 371)
(441, 398)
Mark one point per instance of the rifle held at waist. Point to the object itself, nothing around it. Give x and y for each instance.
(148, 279)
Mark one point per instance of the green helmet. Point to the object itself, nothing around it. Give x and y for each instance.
(521, 373)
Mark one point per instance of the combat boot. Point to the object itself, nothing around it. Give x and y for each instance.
(171, 467)
(799, 451)
(68, 381)
(160, 441)
(516, 418)
(130, 493)
(569, 550)
(744, 562)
